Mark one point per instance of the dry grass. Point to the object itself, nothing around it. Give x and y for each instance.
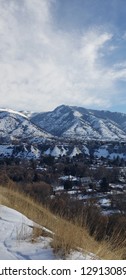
(66, 236)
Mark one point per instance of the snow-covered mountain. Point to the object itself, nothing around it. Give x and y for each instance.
(64, 122)
(17, 126)
(80, 123)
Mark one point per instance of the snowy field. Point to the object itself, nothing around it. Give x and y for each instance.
(17, 241)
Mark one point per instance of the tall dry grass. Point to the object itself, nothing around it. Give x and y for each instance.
(66, 235)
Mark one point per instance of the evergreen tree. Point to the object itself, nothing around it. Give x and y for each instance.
(104, 185)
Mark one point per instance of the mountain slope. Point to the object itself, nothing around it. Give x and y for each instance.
(76, 122)
(17, 235)
(18, 241)
(16, 126)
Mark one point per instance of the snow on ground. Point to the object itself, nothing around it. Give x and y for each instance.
(101, 152)
(6, 150)
(106, 202)
(79, 255)
(18, 243)
(115, 155)
(16, 235)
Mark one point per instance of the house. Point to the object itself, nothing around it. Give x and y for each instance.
(86, 180)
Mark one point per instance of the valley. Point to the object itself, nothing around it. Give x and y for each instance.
(76, 171)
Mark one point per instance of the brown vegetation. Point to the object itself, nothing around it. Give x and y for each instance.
(26, 190)
(69, 234)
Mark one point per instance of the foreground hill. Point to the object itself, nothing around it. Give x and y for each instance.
(23, 239)
(34, 232)
(16, 238)
(80, 123)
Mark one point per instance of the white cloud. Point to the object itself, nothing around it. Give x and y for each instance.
(42, 66)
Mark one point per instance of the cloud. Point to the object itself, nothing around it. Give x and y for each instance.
(42, 66)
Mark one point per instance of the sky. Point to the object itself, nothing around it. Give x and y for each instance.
(70, 52)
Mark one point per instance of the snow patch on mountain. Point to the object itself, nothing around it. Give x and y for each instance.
(77, 114)
(56, 152)
(86, 150)
(76, 151)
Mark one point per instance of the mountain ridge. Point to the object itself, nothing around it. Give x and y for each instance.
(81, 123)
(16, 126)
(66, 122)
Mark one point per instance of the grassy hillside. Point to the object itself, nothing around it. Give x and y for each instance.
(66, 234)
